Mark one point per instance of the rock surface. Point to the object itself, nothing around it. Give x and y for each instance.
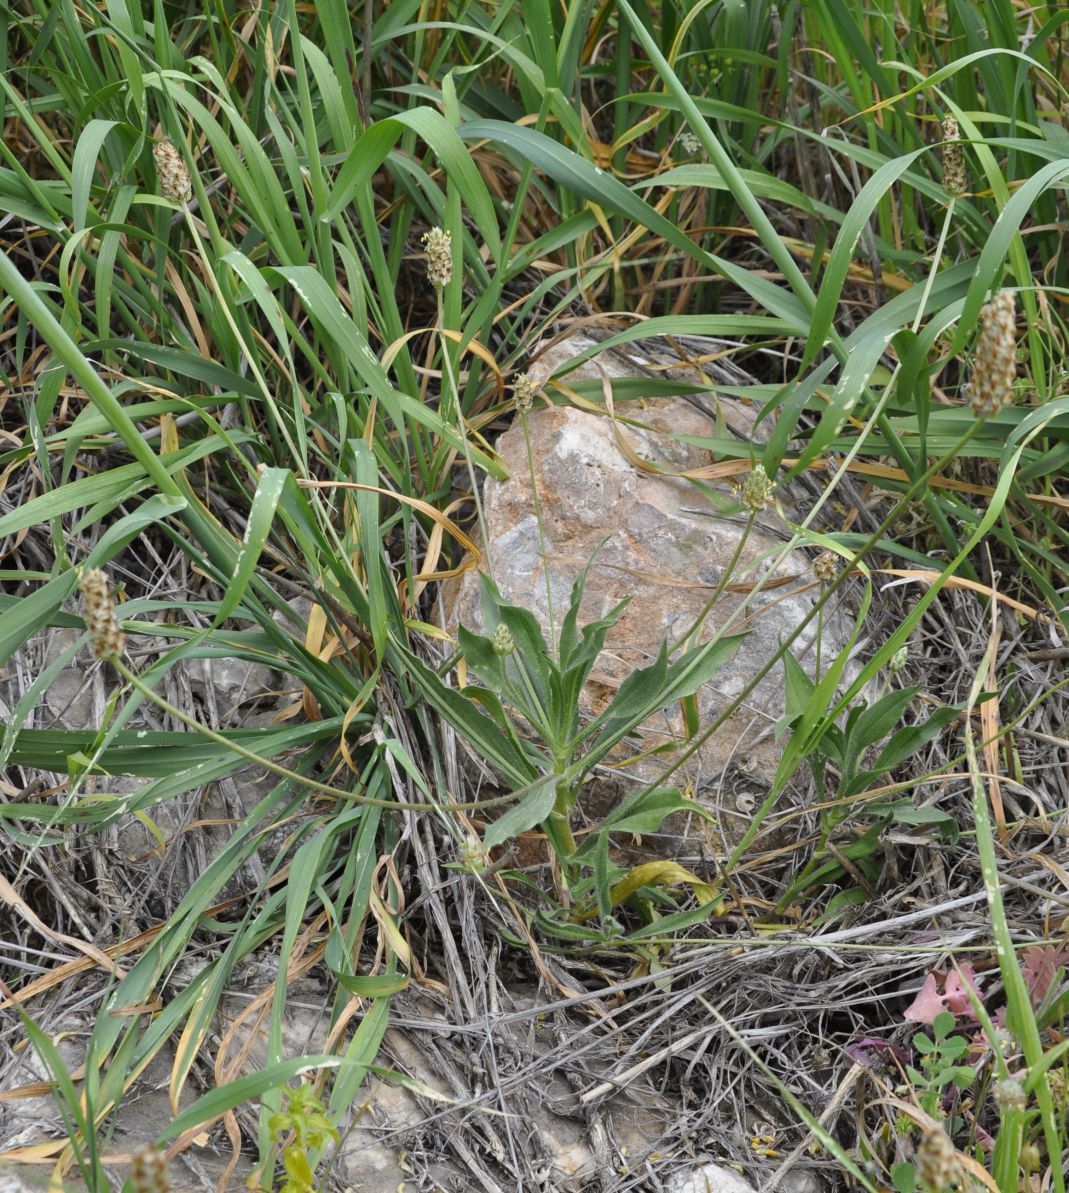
(666, 546)
(709, 1178)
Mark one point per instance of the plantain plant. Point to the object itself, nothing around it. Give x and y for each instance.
(523, 713)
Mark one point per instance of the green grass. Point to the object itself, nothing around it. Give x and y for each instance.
(263, 385)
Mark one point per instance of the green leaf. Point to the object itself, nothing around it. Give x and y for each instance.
(471, 724)
(375, 143)
(831, 288)
(603, 876)
(372, 985)
(644, 811)
(83, 168)
(523, 625)
(839, 904)
(535, 806)
(925, 816)
(909, 740)
(873, 723)
(323, 305)
(257, 527)
(217, 1102)
(904, 1177)
(963, 1076)
(578, 176)
(578, 651)
(943, 1024)
(799, 692)
(159, 753)
(24, 619)
(652, 688)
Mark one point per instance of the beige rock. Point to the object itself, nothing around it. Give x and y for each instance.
(708, 1178)
(666, 546)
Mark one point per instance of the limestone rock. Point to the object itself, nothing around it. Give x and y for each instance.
(71, 700)
(800, 1180)
(708, 1178)
(666, 546)
(22, 1180)
(232, 682)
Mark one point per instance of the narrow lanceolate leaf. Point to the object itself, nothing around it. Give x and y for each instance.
(214, 1105)
(594, 185)
(33, 612)
(257, 528)
(652, 688)
(534, 807)
(477, 728)
(370, 152)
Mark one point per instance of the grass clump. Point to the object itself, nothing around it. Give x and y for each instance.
(272, 285)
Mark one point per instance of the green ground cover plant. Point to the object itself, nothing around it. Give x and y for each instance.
(271, 283)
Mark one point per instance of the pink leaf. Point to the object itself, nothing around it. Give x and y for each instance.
(1039, 964)
(928, 1003)
(956, 991)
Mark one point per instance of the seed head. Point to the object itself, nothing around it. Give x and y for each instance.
(690, 144)
(1029, 1157)
(1010, 1095)
(1004, 1043)
(172, 172)
(826, 567)
(995, 363)
(937, 1161)
(472, 854)
(524, 390)
(503, 641)
(439, 246)
(106, 639)
(955, 181)
(757, 490)
(898, 660)
(148, 1172)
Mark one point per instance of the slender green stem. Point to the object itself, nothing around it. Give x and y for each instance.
(721, 584)
(1021, 1019)
(462, 431)
(830, 590)
(536, 497)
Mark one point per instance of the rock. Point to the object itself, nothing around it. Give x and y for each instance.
(800, 1180)
(71, 700)
(667, 546)
(232, 682)
(709, 1178)
(22, 1180)
(53, 642)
